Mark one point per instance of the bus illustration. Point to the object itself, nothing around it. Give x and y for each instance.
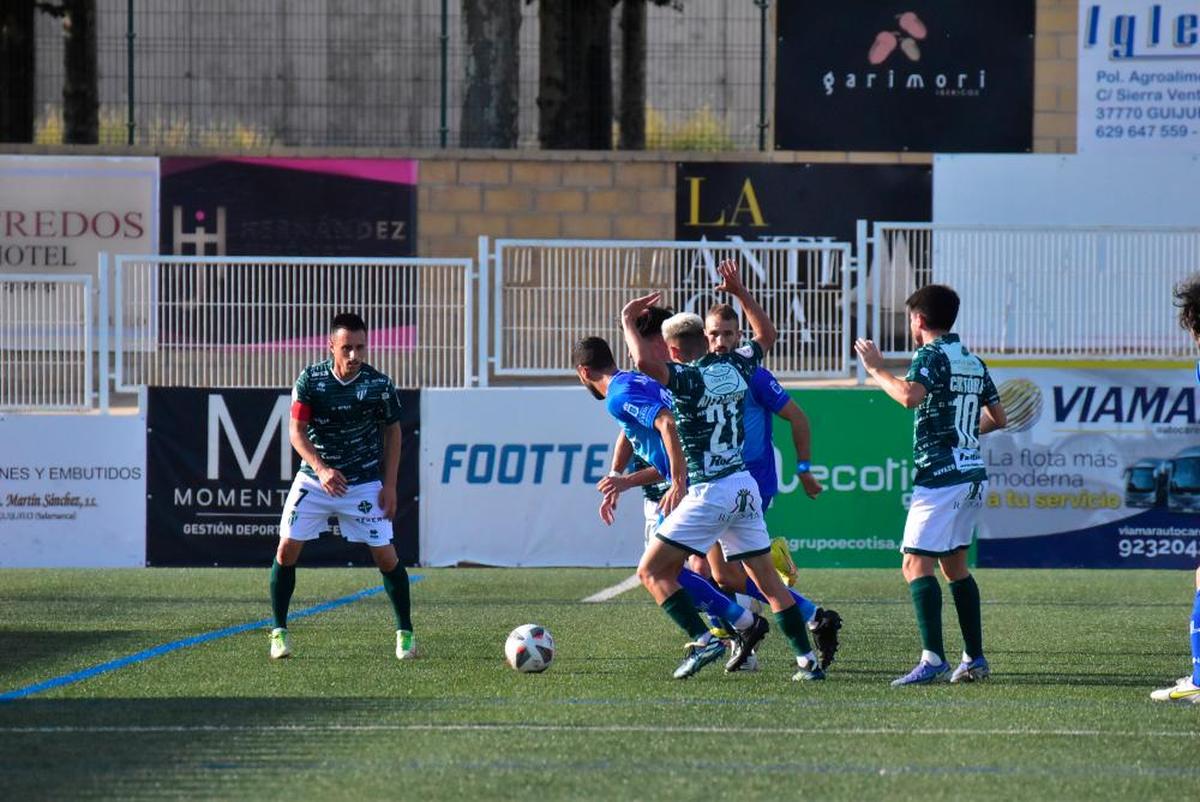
(1182, 474)
(1146, 483)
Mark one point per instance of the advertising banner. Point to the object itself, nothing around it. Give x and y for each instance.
(508, 477)
(927, 75)
(862, 454)
(779, 202)
(72, 491)
(1098, 468)
(1139, 77)
(220, 466)
(293, 207)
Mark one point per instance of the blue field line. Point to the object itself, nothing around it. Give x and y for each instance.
(166, 648)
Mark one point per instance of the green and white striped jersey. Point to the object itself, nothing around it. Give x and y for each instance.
(707, 402)
(946, 424)
(344, 418)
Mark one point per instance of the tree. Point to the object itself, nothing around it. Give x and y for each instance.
(16, 71)
(575, 102)
(631, 119)
(489, 115)
(81, 94)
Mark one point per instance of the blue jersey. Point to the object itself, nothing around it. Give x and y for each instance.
(765, 398)
(635, 400)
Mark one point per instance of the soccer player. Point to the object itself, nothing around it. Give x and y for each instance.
(722, 502)
(1187, 689)
(955, 402)
(642, 407)
(345, 425)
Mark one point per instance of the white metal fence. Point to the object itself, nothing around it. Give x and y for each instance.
(545, 294)
(1065, 293)
(256, 322)
(46, 348)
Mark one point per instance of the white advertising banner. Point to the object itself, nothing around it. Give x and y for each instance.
(1139, 76)
(1096, 468)
(59, 212)
(508, 478)
(72, 491)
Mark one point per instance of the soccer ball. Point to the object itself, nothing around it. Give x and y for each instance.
(529, 648)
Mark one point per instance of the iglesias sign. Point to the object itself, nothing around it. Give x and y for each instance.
(928, 75)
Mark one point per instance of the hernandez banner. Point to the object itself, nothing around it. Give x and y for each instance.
(926, 75)
(726, 200)
(220, 465)
(1096, 469)
(72, 490)
(862, 454)
(293, 207)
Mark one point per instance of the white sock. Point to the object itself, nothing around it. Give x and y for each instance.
(966, 658)
(744, 620)
(704, 639)
(931, 658)
(806, 660)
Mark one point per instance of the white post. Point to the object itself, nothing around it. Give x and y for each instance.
(862, 276)
(101, 321)
(484, 306)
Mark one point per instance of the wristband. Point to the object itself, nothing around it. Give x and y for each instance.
(612, 474)
(804, 466)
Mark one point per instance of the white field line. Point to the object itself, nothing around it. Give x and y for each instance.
(598, 729)
(616, 590)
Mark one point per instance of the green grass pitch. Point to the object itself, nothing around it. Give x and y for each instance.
(1067, 714)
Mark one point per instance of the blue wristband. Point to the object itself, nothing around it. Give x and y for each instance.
(803, 466)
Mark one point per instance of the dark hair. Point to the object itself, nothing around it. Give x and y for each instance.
(348, 321)
(593, 353)
(1187, 298)
(937, 303)
(650, 324)
(723, 311)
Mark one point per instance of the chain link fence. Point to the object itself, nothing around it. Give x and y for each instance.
(369, 73)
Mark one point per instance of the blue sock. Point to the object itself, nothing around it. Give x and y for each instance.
(708, 598)
(807, 608)
(1195, 628)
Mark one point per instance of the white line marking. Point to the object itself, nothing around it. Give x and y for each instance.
(599, 729)
(616, 590)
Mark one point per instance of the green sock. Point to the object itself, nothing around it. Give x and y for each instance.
(927, 600)
(283, 582)
(682, 610)
(795, 629)
(970, 617)
(396, 585)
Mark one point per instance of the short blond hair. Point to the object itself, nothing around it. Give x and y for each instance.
(683, 325)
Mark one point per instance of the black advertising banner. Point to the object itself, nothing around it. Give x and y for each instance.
(764, 202)
(289, 207)
(922, 75)
(219, 466)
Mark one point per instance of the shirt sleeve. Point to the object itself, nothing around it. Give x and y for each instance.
(302, 398)
(642, 403)
(923, 369)
(767, 391)
(990, 395)
(750, 351)
(389, 409)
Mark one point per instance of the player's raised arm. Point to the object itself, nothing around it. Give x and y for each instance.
(907, 394)
(731, 282)
(644, 356)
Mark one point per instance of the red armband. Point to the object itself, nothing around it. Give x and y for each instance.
(301, 411)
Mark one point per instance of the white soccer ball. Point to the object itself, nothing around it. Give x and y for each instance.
(529, 648)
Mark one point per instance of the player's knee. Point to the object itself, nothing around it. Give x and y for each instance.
(288, 551)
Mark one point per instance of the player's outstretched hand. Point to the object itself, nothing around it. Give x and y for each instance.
(675, 494)
(608, 509)
(638, 306)
(868, 354)
(387, 500)
(612, 485)
(812, 488)
(332, 481)
(731, 278)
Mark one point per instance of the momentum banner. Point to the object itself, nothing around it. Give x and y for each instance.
(862, 454)
(508, 477)
(1097, 469)
(72, 491)
(220, 465)
(927, 75)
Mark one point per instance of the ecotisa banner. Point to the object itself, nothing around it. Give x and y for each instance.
(1098, 468)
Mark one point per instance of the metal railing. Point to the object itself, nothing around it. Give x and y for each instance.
(257, 322)
(547, 293)
(46, 345)
(1027, 291)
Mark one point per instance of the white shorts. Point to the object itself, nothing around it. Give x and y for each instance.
(728, 509)
(308, 508)
(653, 519)
(941, 520)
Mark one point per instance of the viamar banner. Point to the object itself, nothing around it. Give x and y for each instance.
(72, 491)
(927, 75)
(220, 466)
(1096, 469)
(780, 202)
(862, 454)
(289, 207)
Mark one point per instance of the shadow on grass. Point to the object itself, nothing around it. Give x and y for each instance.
(22, 649)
